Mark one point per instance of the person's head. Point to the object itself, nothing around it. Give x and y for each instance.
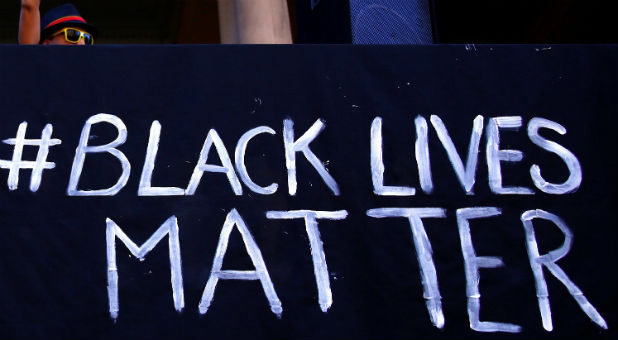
(63, 25)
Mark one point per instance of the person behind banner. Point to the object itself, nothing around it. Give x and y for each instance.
(62, 25)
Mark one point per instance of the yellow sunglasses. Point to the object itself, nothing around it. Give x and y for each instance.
(73, 35)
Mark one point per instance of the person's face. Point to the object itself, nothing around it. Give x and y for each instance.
(60, 39)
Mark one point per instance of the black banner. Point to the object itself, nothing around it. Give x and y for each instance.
(308, 192)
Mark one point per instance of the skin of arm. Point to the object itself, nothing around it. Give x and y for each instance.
(29, 22)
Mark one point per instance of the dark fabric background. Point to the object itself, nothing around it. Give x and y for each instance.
(52, 247)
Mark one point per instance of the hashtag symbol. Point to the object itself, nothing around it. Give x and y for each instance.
(37, 166)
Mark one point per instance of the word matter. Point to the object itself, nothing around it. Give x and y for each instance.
(424, 254)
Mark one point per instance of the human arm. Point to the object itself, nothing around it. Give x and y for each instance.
(29, 22)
